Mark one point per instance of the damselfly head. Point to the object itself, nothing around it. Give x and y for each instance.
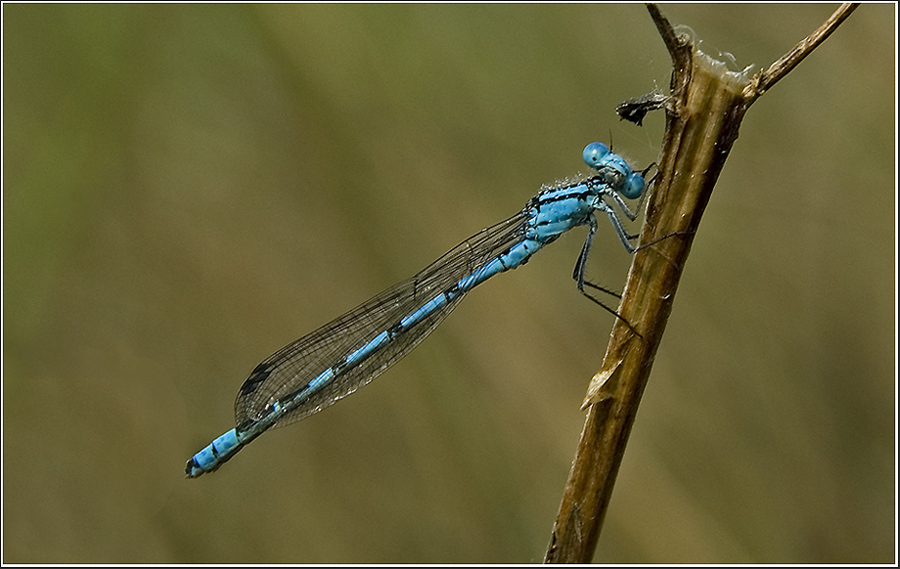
(614, 170)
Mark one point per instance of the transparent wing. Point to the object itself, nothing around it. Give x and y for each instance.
(295, 365)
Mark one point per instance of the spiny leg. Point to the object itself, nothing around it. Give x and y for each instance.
(603, 289)
(655, 241)
(581, 263)
(611, 311)
(578, 275)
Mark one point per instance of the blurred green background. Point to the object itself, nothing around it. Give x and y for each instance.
(187, 188)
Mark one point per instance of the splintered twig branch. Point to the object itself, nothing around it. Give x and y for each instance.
(704, 110)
